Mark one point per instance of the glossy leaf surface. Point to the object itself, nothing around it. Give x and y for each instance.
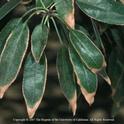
(108, 11)
(86, 49)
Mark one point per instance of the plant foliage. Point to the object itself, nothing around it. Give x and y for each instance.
(80, 60)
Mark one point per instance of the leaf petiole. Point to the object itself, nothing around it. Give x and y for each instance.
(57, 31)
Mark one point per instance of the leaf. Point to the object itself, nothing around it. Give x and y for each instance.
(42, 3)
(34, 82)
(65, 9)
(85, 78)
(6, 31)
(12, 56)
(64, 33)
(87, 51)
(105, 76)
(39, 41)
(66, 78)
(107, 11)
(9, 6)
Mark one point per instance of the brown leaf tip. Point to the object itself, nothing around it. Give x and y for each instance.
(97, 70)
(31, 110)
(88, 96)
(107, 79)
(73, 103)
(70, 19)
(3, 90)
(104, 64)
(78, 81)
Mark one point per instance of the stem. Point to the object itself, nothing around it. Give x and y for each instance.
(36, 8)
(29, 17)
(32, 15)
(48, 23)
(52, 5)
(57, 31)
(43, 5)
(42, 19)
(59, 2)
(45, 20)
(29, 11)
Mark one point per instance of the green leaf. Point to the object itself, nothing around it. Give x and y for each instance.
(9, 6)
(42, 3)
(34, 82)
(66, 78)
(39, 41)
(12, 56)
(64, 33)
(66, 4)
(108, 11)
(85, 78)
(87, 50)
(65, 9)
(4, 34)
